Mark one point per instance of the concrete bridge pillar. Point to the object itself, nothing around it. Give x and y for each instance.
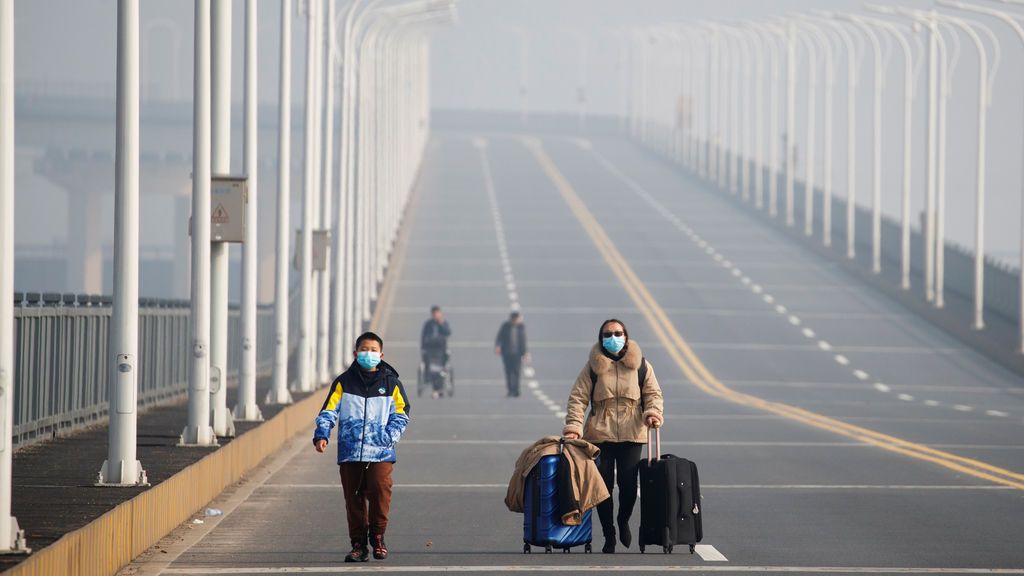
(85, 178)
(85, 242)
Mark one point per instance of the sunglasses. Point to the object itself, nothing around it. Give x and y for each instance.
(618, 334)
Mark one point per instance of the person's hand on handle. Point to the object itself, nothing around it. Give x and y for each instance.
(653, 421)
(572, 436)
(497, 350)
(320, 445)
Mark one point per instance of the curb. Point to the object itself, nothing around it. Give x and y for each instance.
(110, 542)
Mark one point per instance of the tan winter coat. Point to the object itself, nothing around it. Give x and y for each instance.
(588, 487)
(615, 412)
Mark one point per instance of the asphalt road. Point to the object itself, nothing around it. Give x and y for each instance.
(835, 433)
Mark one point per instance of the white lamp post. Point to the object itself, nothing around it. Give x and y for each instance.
(986, 77)
(814, 26)
(909, 80)
(1012, 21)
(278, 393)
(876, 164)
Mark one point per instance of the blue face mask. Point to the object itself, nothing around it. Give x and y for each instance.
(368, 360)
(614, 344)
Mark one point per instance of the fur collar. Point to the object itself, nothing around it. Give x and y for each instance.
(601, 364)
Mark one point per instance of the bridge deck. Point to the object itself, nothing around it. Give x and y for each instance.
(906, 489)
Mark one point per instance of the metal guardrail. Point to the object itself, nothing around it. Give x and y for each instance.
(62, 369)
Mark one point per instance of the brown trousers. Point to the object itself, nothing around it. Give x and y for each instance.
(367, 489)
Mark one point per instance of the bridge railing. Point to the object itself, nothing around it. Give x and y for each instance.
(62, 364)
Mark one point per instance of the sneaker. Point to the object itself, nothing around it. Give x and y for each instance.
(436, 395)
(380, 549)
(359, 553)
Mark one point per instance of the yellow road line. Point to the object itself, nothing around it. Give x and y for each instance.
(695, 370)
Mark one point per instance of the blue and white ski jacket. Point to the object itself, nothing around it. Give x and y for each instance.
(370, 409)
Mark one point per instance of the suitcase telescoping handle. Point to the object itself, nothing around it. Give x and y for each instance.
(653, 439)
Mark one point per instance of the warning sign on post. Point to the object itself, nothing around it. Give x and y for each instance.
(229, 197)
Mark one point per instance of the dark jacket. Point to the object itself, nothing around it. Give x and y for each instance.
(370, 409)
(434, 337)
(511, 339)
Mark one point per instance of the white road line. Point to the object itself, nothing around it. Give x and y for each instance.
(504, 569)
(781, 309)
(861, 375)
(842, 360)
(709, 553)
(931, 402)
(882, 387)
(963, 408)
(795, 321)
(997, 413)
(847, 487)
(824, 345)
(757, 288)
(769, 298)
(906, 397)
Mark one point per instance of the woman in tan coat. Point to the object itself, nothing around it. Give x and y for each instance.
(622, 392)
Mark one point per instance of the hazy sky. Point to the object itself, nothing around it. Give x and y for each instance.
(68, 46)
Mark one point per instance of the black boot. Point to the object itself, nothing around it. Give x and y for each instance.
(609, 543)
(625, 536)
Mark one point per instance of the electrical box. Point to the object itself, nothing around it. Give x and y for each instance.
(229, 199)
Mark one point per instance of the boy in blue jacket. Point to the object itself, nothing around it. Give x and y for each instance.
(371, 410)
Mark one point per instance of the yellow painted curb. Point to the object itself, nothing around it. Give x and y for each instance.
(110, 542)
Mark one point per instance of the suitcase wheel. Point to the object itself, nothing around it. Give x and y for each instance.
(565, 551)
(526, 548)
(692, 548)
(642, 547)
(588, 548)
(666, 549)
(547, 549)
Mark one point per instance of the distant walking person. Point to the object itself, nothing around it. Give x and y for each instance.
(510, 344)
(619, 386)
(434, 345)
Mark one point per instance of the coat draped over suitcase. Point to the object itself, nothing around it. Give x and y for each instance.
(588, 487)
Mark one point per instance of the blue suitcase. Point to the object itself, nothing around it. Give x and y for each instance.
(542, 525)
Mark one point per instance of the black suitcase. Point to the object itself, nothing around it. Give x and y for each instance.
(670, 507)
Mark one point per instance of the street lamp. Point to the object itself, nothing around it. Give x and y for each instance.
(1013, 23)
(938, 56)
(910, 75)
(815, 26)
(761, 48)
(278, 393)
(880, 65)
(198, 431)
(986, 78)
(12, 538)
